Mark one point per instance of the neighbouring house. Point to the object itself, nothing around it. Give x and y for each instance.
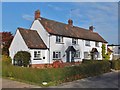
(48, 40)
(115, 51)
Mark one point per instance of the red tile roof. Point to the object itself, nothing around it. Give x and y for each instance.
(32, 39)
(58, 28)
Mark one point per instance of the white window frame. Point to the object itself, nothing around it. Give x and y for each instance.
(74, 41)
(87, 43)
(59, 39)
(87, 55)
(77, 55)
(38, 55)
(97, 44)
(57, 55)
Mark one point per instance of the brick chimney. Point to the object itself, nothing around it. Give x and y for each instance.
(37, 14)
(91, 28)
(70, 22)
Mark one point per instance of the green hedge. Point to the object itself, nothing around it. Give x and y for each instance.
(55, 74)
(115, 64)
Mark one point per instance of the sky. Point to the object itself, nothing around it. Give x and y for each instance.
(102, 15)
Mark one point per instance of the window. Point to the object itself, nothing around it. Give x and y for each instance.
(87, 43)
(37, 55)
(56, 55)
(97, 44)
(74, 41)
(98, 55)
(59, 39)
(86, 55)
(77, 55)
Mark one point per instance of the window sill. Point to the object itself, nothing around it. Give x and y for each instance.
(77, 58)
(56, 59)
(59, 43)
(87, 45)
(37, 59)
(75, 44)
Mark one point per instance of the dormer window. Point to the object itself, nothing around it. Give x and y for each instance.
(74, 41)
(87, 43)
(59, 39)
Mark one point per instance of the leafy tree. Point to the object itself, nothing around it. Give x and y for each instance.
(7, 38)
(103, 50)
(22, 58)
(105, 56)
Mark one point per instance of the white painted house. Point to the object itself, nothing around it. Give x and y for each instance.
(49, 40)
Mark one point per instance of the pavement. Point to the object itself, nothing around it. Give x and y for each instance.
(108, 80)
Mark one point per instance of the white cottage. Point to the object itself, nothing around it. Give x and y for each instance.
(48, 40)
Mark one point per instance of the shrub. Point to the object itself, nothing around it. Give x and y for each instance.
(56, 74)
(58, 64)
(23, 57)
(6, 59)
(115, 64)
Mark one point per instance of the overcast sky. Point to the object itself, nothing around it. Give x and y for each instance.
(102, 15)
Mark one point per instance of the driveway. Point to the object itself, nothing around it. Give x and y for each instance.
(108, 80)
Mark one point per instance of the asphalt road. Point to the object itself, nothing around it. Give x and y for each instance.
(108, 80)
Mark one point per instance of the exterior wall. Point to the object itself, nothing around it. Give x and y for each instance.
(41, 31)
(116, 52)
(68, 42)
(17, 44)
(92, 45)
(44, 57)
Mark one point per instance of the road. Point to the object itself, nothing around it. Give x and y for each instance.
(108, 80)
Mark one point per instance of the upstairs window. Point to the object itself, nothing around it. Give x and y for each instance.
(97, 44)
(59, 39)
(37, 54)
(56, 55)
(87, 43)
(74, 41)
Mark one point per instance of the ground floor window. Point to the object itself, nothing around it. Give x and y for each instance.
(37, 54)
(77, 55)
(56, 55)
(86, 55)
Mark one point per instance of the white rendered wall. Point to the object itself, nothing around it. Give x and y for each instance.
(17, 44)
(44, 53)
(41, 31)
(68, 42)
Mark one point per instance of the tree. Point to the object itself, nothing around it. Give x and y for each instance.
(103, 51)
(105, 56)
(22, 58)
(7, 38)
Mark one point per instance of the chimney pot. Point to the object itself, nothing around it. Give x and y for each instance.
(91, 28)
(37, 14)
(70, 22)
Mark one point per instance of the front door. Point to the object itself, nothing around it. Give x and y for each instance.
(70, 56)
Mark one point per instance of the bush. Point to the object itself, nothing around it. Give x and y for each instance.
(56, 74)
(22, 58)
(6, 59)
(115, 64)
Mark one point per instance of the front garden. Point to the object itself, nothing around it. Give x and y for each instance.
(54, 76)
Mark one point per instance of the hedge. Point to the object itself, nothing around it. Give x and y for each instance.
(115, 64)
(55, 74)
